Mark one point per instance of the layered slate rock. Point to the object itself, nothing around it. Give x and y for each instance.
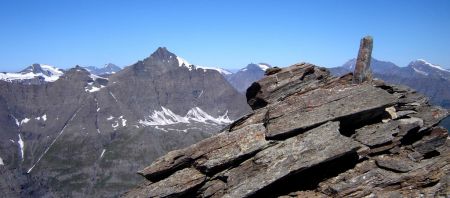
(313, 135)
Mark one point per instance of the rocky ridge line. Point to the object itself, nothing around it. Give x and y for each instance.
(314, 135)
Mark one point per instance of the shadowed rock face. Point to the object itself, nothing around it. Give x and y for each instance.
(313, 135)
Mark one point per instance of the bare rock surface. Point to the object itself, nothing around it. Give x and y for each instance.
(313, 135)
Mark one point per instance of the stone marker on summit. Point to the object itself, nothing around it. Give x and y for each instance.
(362, 69)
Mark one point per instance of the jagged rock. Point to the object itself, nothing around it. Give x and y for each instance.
(289, 157)
(178, 184)
(211, 153)
(377, 134)
(297, 78)
(322, 105)
(430, 143)
(312, 135)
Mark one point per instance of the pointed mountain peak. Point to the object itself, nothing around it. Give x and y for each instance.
(109, 65)
(256, 67)
(163, 54)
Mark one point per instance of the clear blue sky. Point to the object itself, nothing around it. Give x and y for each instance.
(227, 33)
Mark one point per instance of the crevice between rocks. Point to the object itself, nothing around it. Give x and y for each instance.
(156, 177)
(349, 124)
(309, 178)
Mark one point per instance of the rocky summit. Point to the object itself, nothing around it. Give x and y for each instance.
(314, 135)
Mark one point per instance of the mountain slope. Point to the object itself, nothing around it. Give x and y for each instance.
(82, 134)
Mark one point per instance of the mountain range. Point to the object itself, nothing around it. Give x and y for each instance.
(74, 133)
(429, 79)
(106, 70)
(85, 130)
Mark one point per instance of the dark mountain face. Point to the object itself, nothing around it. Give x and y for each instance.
(243, 78)
(105, 71)
(84, 135)
(428, 79)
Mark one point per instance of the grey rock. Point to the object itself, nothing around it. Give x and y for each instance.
(209, 154)
(395, 164)
(177, 185)
(322, 105)
(436, 138)
(377, 134)
(292, 155)
(297, 78)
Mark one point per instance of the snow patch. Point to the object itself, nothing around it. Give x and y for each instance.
(263, 67)
(17, 121)
(163, 117)
(124, 122)
(103, 152)
(95, 77)
(167, 117)
(43, 118)
(93, 89)
(110, 118)
(220, 70)
(1, 162)
(184, 63)
(21, 146)
(113, 96)
(162, 129)
(115, 125)
(420, 71)
(24, 121)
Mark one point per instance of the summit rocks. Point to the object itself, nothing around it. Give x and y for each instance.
(314, 135)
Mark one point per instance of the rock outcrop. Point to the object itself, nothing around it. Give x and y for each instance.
(314, 135)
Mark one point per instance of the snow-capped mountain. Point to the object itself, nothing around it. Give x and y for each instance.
(87, 132)
(425, 68)
(427, 78)
(34, 74)
(220, 70)
(243, 78)
(106, 70)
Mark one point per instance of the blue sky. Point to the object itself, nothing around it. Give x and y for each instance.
(229, 33)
